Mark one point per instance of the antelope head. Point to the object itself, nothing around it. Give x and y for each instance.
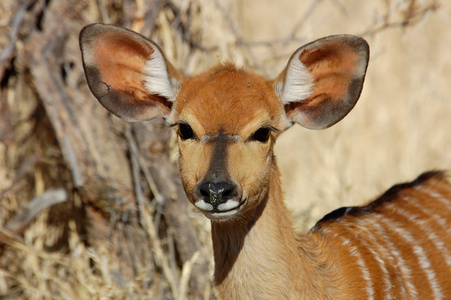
(227, 118)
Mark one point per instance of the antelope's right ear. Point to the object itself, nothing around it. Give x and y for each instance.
(323, 80)
(128, 73)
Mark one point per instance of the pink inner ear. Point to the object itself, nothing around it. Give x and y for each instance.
(121, 61)
(332, 66)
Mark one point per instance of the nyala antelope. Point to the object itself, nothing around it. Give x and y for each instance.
(227, 120)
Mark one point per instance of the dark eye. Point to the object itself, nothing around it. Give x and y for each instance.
(186, 132)
(261, 135)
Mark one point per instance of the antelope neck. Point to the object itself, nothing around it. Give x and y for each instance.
(263, 247)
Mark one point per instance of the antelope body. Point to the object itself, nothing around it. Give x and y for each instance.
(227, 119)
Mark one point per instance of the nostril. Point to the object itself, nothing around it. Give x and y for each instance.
(216, 192)
(204, 189)
(227, 192)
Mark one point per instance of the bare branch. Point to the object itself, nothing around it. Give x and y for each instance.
(14, 33)
(20, 222)
(411, 16)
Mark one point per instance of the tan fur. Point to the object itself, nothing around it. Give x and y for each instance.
(395, 247)
(270, 261)
(207, 103)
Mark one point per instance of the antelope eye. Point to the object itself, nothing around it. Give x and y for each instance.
(261, 135)
(186, 132)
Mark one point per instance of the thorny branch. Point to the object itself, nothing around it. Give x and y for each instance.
(413, 14)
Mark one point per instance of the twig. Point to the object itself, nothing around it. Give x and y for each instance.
(172, 260)
(150, 181)
(411, 16)
(158, 250)
(185, 28)
(36, 206)
(14, 33)
(186, 274)
(135, 176)
(25, 168)
(103, 11)
(249, 45)
(144, 214)
(159, 199)
(313, 5)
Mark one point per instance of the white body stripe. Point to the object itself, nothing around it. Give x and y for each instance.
(419, 252)
(406, 272)
(354, 251)
(378, 258)
(437, 196)
(429, 232)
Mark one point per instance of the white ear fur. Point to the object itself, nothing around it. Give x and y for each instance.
(128, 73)
(323, 80)
(298, 83)
(156, 78)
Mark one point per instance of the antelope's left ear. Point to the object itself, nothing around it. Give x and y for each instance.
(323, 80)
(128, 73)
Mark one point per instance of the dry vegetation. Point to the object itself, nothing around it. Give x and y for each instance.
(92, 208)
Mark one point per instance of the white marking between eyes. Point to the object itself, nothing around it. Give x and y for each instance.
(208, 138)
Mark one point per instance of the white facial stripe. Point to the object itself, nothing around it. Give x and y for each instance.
(156, 78)
(209, 138)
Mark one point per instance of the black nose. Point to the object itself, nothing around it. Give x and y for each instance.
(216, 193)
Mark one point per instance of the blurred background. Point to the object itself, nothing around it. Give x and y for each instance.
(92, 208)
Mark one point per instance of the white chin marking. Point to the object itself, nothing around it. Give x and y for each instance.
(221, 216)
(203, 206)
(224, 211)
(228, 205)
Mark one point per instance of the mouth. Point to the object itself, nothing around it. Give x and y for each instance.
(223, 211)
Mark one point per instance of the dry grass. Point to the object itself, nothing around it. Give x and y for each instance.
(400, 127)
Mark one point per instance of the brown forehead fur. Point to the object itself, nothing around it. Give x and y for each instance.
(225, 98)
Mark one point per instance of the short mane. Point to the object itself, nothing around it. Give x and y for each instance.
(389, 196)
